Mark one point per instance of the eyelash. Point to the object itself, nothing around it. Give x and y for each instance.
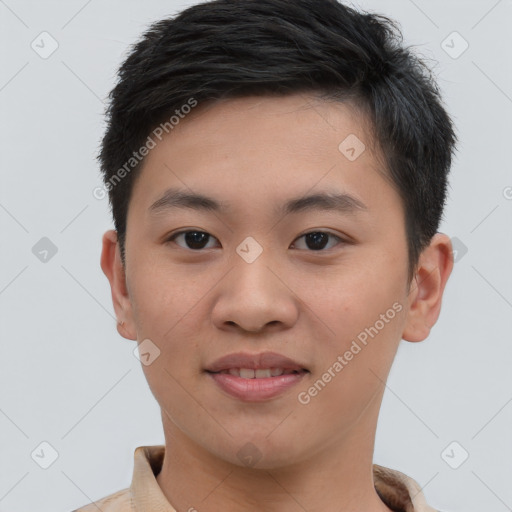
(175, 235)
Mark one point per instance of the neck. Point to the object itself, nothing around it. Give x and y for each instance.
(338, 477)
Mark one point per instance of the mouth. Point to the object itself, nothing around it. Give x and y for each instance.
(256, 377)
(259, 373)
(252, 366)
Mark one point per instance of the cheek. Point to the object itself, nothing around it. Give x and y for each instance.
(168, 321)
(165, 309)
(350, 300)
(163, 301)
(367, 326)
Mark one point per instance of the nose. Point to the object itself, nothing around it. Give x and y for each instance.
(254, 297)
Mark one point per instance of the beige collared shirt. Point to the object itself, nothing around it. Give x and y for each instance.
(398, 491)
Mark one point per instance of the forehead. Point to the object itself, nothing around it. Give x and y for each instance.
(279, 147)
(299, 114)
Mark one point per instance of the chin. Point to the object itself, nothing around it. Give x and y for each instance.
(260, 452)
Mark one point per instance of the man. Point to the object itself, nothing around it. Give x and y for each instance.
(277, 173)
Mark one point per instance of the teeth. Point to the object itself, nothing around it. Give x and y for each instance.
(261, 373)
(246, 373)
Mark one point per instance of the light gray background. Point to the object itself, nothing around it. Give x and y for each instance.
(69, 379)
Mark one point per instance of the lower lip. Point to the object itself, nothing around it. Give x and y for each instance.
(256, 390)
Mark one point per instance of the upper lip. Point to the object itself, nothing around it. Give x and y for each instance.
(254, 361)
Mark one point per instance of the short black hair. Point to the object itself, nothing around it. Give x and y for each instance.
(225, 49)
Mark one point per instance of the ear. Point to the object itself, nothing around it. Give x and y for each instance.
(113, 268)
(432, 272)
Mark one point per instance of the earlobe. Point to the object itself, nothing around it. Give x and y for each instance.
(112, 267)
(434, 268)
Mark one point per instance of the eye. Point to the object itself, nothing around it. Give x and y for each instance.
(317, 240)
(195, 240)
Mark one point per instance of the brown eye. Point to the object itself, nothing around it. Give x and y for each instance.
(194, 240)
(318, 240)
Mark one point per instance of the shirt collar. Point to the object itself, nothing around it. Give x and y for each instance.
(398, 491)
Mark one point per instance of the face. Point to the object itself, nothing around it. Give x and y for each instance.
(322, 283)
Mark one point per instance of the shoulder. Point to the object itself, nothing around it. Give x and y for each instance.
(120, 501)
(399, 491)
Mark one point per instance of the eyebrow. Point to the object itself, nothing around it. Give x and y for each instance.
(174, 198)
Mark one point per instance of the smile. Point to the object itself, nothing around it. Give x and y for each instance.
(261, 373)
(256, 385)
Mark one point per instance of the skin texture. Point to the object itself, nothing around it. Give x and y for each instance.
(199, 305)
